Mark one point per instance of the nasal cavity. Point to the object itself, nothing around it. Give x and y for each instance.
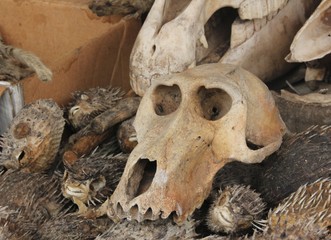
(141, 178)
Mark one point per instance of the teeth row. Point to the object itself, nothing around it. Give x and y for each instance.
(134, 214)
(241, 30)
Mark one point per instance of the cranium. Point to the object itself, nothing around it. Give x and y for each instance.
(188, 126)
(180, 34)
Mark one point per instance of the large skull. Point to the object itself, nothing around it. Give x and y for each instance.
(188, 126)
(254, 34)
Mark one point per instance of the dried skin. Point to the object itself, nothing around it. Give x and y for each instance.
(121, 7)
(149, 230)
(89, 104)
(72, 227)
(32, 141)
(234, 209)
(92, 179)
(101, 128)
(16, 64)
(30, 199)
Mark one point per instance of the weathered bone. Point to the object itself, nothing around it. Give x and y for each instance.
(174, 37)
(188, 126)
(313, 40)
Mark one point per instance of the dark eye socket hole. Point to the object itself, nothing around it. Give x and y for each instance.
(21, 156)
(166, 99)
(214, 103)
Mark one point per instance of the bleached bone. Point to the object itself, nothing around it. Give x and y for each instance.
(188, 126)
(175, 36)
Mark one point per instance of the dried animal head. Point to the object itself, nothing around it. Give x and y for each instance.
(28, 59)
(250, 33)
(90, 180)
(189, 125)
(234, 209)
(33, 139)
(89, 104)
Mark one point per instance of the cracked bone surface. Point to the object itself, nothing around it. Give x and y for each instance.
(255, 34)
(188, 126)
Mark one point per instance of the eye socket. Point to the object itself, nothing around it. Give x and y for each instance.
(166, 99)
(214, 103)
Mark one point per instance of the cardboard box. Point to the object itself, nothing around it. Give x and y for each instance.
(82, 49)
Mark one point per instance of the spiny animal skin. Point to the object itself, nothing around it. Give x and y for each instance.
(308, 210)
(28, 200)
(9, 53)
(90, 103)
(282, 173)
(72, 227)
(303, 158)
(32, 141)
(304, 215)
(150, 230)
(121, 7)
(234, 209)
(90, 180)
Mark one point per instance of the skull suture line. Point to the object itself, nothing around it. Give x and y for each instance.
(188, 126)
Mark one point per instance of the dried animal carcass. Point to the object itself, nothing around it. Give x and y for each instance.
(303, 158)
(91, 180)
(16, 64)
(72, 227)
(188, 126)
(32, 141)
(305, 213)
(235, 209)
(88, 104)
(180, 34)
(28, 200)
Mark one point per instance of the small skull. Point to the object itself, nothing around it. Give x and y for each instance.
(189, 125)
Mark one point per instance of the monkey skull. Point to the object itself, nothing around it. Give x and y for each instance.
(188, 126)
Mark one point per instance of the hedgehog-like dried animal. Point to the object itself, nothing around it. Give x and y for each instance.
(308, 210)
(134, 8)
(32, 141)
(90, 103)
(28, 200)
(10, 57)
(234, 209)
(90, 180)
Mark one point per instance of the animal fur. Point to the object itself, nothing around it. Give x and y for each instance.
(11, 57)
(133, 8)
